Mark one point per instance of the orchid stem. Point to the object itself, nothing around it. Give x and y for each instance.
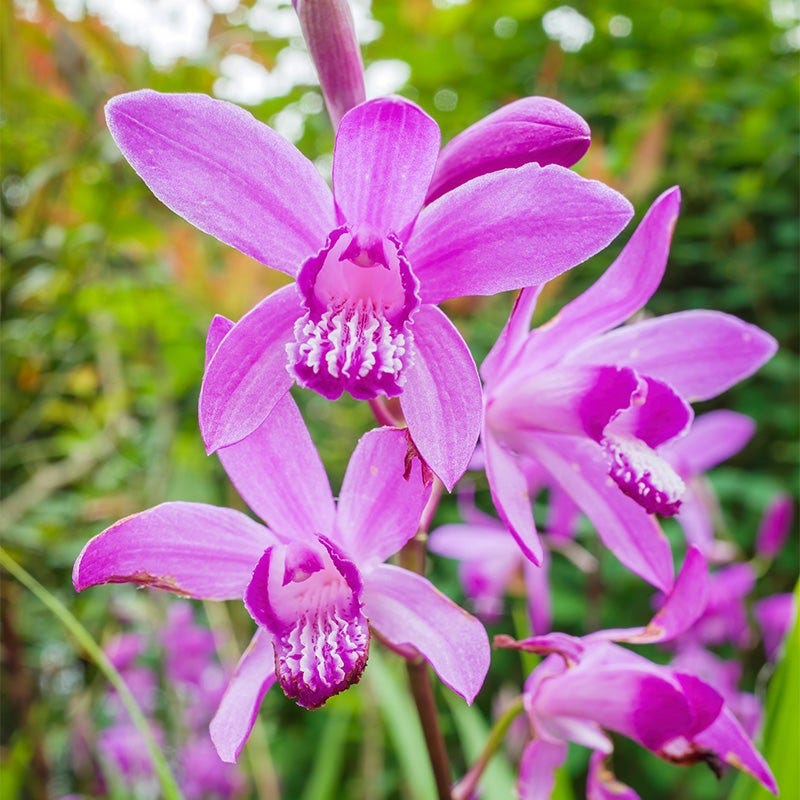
(412, 557)
(382, 414)
(465, 788)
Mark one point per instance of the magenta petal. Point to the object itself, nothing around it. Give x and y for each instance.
(774, 615)
(775, 526)
(383, 161)
(382, 496)
(699, 354)
(519, 227)
(188, 548)
(413, 616)
(218, 329)
(531, 129)
(602, 784)
(620, 291)
(278, 473)
(226, 173)
(238, 710)
(713, 438)
(509, 488)
(441, 400)
(623, 526)
(247, 374)
(726, 737)
(537, 769)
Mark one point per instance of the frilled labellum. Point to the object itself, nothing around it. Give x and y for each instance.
(355, 336)
(308, 595)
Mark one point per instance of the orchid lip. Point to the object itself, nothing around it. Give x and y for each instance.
(360, 296)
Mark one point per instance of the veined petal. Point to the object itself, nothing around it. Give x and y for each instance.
(442, 398)
(537, 769)
(279, 474)
(514, 228)
(226, 173)
(382, 496)
(383, 161)
(620, 291)
(308, 596)
(413, 616)
(699, 354)
(238, 710)
(509, 488)
(218, 329)
(713, 438)
(623, 526)
(247, 374)
(603, 784)
(188, 548)
(531, 129)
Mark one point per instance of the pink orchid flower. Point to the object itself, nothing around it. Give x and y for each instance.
(589, 403)
(370, 263)
(775, 615)
(588, 685)
(314, 580)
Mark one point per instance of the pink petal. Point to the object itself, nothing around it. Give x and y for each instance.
(695, 516)
(509, 488)
(774, 615)
(238, 710)
(537, 769)
(537, 587)
(411, 615)
(619, 292)
(775, 526)
(713, 438)
(279, 474)
(226, 173)
(472, 542)
(510, 229)
(728, 740)
(531, 129)
(382, 496)
(188, 548)
(218, 329)
(441, 400)
(382, 164)
(247, 374)
(603, 784)
(699, 354)
(623, 526)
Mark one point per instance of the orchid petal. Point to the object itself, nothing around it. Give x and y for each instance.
(515, 228)
(247, 374)
(188, 548)
(218, 329)
(413, 616)
(510, 496)
(279, 474)
(695, 517)
(382, 497)
(619, 292)
(537, 586)
(775, 526)
(537, 769)
(712, 439)
(531, 129)
(726, 737)
(238, 710)
(261, 195)
(774, 615)
(442, 397)
(472, 542)
(603, 784)
(632, 535)
(699, 354)
(383, 161)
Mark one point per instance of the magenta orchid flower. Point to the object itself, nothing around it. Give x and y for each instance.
(370, 263)
(589, 403)
(775, 616)
(586, 686)
(314, 581)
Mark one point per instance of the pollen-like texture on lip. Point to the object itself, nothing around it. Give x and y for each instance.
(308, 595)
(355, 334)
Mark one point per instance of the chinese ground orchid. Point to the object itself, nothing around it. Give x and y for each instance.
(592, 406)
(370, 263)
(314, 581)
(588, 685)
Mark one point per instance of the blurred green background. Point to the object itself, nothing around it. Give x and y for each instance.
(106, 297)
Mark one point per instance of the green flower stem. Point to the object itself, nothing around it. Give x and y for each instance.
(169, 787)
(464, 789)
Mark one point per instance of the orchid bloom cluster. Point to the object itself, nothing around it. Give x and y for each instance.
(591, 410)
